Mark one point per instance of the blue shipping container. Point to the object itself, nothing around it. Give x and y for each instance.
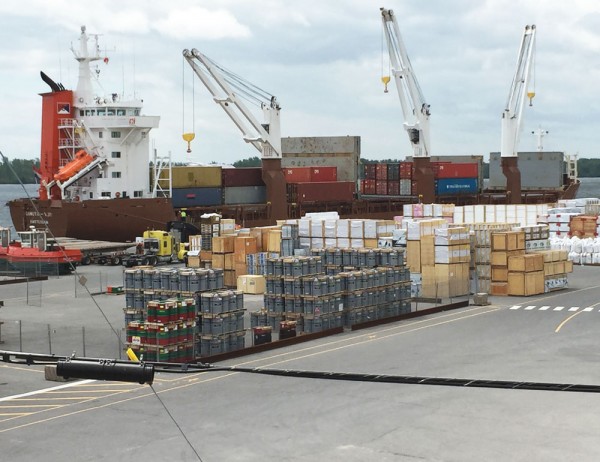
(451, 186)
(194, 197)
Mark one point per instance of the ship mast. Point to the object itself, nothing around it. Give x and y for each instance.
(85, 93)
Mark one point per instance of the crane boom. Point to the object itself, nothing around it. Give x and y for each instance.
(265, 137)
(512, 116)
(414, 107)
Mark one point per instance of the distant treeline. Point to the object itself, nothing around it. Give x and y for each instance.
(22, 169)
(17, 170)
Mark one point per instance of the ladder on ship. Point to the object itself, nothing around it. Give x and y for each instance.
(162, 181)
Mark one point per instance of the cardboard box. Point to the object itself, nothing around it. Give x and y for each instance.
(223, 244)
(413, 256)
(444, 281)
(499, 274)
(427, 250)
(371, 243)
(522, 283)
(460, 253)
(499, 288)
(229, 261)
(205, 255)
(500, 258)
(568, 266)
(526, 263)
(229, 278)
(241, 269)
(508, 240)
(251, 284)
(218, 260)
(274, 240)
(243, 246)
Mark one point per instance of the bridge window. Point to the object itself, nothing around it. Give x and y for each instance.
(137, 194)
(101, 112)
(105, 194)
(115, 134)
(100, 134)
(115, 155)
(120, 112)
(116, 175)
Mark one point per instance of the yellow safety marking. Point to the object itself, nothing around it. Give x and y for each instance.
(53, 398)
(22, 368)
(82, 391)
(31, 405)
(15, 413)
(560, 326)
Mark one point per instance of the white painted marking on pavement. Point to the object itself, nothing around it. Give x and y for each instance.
(574, 308)
(559, 308)
(530, 307)
(544, 308)
(589, 308)
(515, 307)
(45, 390)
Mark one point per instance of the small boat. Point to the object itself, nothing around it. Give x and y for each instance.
(36, 255)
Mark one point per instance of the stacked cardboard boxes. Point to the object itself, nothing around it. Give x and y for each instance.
(504, 245)
(526, 274)
(223, 256)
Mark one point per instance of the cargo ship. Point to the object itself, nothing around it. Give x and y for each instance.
(98, 181)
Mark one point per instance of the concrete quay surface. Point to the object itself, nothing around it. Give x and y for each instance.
(239, 416)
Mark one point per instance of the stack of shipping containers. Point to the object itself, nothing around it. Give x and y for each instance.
(396, 178)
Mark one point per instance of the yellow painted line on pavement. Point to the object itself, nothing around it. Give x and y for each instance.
(22, 368)
(560, 326)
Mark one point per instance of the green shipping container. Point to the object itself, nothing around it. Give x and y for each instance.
(194, 177)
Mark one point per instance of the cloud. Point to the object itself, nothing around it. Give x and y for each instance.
(201, 23)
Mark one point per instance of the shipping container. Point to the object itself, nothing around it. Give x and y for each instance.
(368, 186)
(341, 191)
(194, 197)
(393, 188)
(393, 171)
(297, 174)
(193, 177)
(370, 171)
(323, 174)
(406, 170)
(405, 187)
(251, 176)
(458, 170)
(245, 195)
(539, 170)
(381, 187)
(452, 186)
(381, 171)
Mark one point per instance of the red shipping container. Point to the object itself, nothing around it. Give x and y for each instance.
(406, 170)
(251, 176)
(393, 188)
(370, 171)
(320, 174)
(340, 191)
(381, 171)
(297, 174)
(368, 186)
(458, 170)
(381, 187)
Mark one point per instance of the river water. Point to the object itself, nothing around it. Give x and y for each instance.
(590, 187)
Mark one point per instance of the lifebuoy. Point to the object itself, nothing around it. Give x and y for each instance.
(76, 198)
(117, 195)
(132, 121)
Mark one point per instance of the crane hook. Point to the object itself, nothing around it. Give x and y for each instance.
(385, 79)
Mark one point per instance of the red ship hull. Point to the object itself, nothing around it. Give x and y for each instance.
(119, 220)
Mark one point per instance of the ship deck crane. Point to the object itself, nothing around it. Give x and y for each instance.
(415, 109)
(512, 116)
(228, 90)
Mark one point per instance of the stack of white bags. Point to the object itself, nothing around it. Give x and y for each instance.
(581, 251)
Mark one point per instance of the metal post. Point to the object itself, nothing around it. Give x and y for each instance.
(49, 340)
(83, 339)
(20, 336)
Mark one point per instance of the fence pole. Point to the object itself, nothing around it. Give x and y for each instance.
(49, 340)
(83, 335)
(20, 336)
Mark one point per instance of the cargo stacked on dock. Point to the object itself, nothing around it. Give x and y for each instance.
(221, 314)
(163, 311)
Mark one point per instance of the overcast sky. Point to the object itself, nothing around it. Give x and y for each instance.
(323, 62)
